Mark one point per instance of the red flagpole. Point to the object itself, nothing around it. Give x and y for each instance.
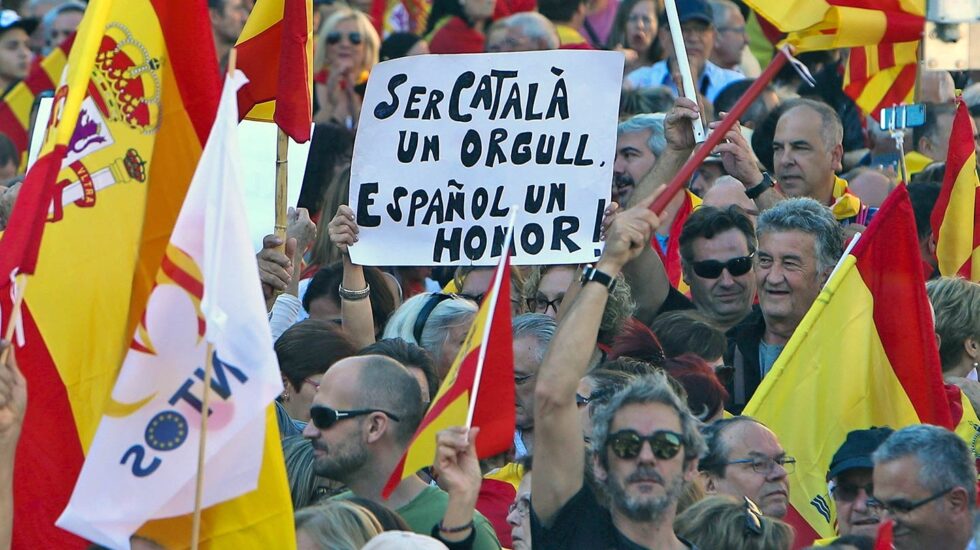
(714, 138)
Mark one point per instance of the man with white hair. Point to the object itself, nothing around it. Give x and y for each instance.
(522, 32)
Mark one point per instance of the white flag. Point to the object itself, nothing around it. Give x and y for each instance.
(142, 464)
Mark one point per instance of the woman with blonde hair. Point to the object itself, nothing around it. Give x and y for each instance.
(732, 524)
(346, 50)
(956, 303)
(335, 525)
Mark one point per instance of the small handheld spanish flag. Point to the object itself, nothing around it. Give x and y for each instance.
(479, 389)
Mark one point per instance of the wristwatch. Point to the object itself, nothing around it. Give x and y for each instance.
(593, 275)
(766, 184)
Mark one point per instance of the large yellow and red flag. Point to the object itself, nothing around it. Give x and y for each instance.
(956, 216)
(16, 106)
(275, 51)
(883, 36)
(864, 355)
(92, 222)
(481, 378)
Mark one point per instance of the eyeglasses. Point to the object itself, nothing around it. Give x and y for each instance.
(711, 269)
(736, 30)
(325, 417)
(522, 506)
(627, 444)
(313, 382)
(753, 517)
(522, 379)
(765, 465)
(541, 304)
(846, 492)
(353, 37)
(902, 506)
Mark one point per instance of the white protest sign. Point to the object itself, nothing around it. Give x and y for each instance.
(448, 144)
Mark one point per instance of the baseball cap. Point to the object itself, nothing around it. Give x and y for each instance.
(690, 10)
(10, 20)
(856, 450)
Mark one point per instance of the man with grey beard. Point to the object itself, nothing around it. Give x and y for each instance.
(645, 442)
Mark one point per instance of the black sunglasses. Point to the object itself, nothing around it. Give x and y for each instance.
(325, 417)
(711, 269)
(627, 444)
(334, 37)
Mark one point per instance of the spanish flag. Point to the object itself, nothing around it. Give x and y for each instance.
(672, 256)
(883, 36)
(864, 355)
(16, 106)
(956, 216)
(92, 223)
(275, 51)
(391, 16)
(481, 379)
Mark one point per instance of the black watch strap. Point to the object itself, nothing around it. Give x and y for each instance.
(593, 275)
(766, 184)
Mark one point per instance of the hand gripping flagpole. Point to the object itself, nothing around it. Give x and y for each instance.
(495, 291)
(15, 323)
(717, 134)
(683, 65)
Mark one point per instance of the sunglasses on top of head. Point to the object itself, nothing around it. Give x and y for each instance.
(334, 37)
(325, 417)
(711, 269)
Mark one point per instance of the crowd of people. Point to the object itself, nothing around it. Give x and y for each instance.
(630, 374)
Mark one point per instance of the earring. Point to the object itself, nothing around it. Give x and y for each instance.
(284, 397)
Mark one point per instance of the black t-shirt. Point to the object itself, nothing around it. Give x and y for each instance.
(582, 523)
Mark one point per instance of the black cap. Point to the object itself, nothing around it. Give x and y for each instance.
(10, 20)
(690, 10)
(856, 450)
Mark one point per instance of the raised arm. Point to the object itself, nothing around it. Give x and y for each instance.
(739, 161)
(680, 142)
(557, 425)
(13, 404)
(355, 312)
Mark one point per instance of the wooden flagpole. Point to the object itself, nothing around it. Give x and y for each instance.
(205, 404)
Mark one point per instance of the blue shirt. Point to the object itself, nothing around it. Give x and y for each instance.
(712, 81)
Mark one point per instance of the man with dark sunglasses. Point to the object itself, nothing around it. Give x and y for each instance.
(849, 482)
(925, 480)
(645, 442)
(363, 417)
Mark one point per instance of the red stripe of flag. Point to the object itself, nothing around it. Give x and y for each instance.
(900, 303)
(294, 104)
(886, 56)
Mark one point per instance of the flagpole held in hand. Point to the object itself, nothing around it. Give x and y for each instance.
(683, 65)
(714, 138)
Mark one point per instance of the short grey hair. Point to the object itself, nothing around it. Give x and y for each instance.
(944, 459)
(653, 122)
(831, 129)
(716, 452)
(649, 388)
(808, 216)
(447, 314)
(720, 10)
(538, 326)
(534, 26)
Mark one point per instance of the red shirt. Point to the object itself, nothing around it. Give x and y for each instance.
(455, 36)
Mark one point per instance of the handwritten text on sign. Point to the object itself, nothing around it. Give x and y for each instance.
(448, 145)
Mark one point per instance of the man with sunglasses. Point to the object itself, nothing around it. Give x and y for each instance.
(645, 442)
(925, 480)
(745, 459)
(849, 481)
(364, 415)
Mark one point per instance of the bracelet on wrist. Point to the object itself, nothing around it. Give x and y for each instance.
(354, 295)
(454, 530)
